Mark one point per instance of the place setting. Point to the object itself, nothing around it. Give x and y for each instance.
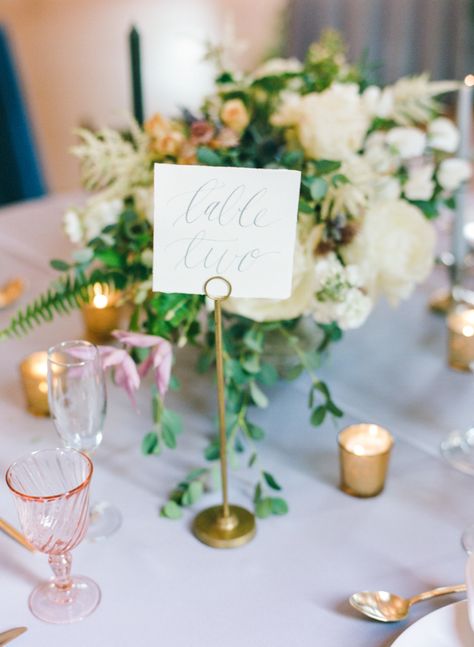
(281, 442)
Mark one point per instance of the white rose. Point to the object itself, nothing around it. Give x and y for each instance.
(387, 188)
(378, 102)
(331, 124)
(453, 172)
(301, 296)
(72, 226)
(443, 135)
(420, 185)
(289, 110)
(276, 66)
(378, 154)
(99, 214)
(408, 142)
(394, 249)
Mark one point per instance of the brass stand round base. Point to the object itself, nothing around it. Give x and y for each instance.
(215, 530)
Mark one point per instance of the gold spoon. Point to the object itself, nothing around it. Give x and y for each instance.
(388, 607)
(10, 292)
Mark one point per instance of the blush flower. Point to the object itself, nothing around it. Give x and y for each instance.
(201, 132)
(160, 357)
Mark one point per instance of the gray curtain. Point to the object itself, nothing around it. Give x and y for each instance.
(403, 36)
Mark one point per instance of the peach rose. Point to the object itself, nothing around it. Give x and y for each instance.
(187, 154)
(166, 136)
(235, 115)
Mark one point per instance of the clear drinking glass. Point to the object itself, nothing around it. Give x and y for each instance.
(77, 402)
(51, 491)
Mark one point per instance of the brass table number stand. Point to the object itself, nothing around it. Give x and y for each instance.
(222, 526)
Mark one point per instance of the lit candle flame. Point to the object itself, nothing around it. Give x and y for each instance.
(100, 300)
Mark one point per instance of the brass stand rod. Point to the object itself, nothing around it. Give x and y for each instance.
(221, 405)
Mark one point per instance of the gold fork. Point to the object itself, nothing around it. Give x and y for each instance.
(12, 532)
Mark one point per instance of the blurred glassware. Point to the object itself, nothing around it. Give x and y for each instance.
(51, 491)
(458, 449)
(78, 402)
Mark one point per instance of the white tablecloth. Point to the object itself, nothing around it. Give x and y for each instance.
(289, 587)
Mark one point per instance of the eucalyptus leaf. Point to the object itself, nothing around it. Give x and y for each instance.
(255, 432)
(318, 189)
(208, 157)
(322, 387)
(326, 166)
(258, 396)
(278, 506)
(151, 443)
(251, 363)
(334, 409)
(258, 492)
(171, 510)
(253, 339)
(193, 493)
(294, 372)
(169, 437)
(263, 508)
(212, 451)
(318, 415)
(271, 481)
(252, 460)
(268, 375)
(172, 420)
(194, 474)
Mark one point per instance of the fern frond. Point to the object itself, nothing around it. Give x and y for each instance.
(65, 295)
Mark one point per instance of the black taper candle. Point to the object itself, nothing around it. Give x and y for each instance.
(136, 74)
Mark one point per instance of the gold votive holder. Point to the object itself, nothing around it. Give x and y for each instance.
(460, 323)
(364, 454)
(102, 314)
(34, 377)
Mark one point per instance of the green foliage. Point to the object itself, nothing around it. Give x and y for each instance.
(63, 296)
(208, 157)
(188, 492)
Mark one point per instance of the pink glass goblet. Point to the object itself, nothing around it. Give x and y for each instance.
(51, 491)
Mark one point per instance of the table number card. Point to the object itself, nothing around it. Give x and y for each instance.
(237, 223)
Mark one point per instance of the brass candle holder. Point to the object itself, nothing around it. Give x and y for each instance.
(34, 377)
(460, 323)
(364, 453)
(222, 526)
(102, 313)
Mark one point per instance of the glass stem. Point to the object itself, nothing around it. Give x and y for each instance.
(61, 567)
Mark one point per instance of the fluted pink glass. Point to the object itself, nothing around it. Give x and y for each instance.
(51, 491)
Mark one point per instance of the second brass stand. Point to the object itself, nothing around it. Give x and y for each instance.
(222, 526)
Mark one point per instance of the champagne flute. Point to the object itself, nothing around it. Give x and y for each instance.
(77, 402)
(51, 491)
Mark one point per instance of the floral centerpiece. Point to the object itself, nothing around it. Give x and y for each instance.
(376, 167)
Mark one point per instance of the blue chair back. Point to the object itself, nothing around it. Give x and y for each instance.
(21, 176)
